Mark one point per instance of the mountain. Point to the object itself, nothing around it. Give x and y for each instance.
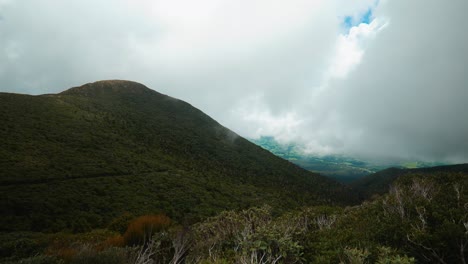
(342, 168)
(380, 182)
(81, 158)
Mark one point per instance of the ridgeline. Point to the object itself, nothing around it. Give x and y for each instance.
(78, 159)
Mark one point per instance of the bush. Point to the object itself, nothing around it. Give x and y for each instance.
(65, 253)
(40, 259)
(248, 236)
(115, 241)
(88, 255)
(120, 223)
(21, 248)
(140, 230)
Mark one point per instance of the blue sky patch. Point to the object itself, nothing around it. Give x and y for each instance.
(349, 21)
(367, 17)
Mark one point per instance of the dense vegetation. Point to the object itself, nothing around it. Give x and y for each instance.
(76, 160)
(380, 182)
(113, 172)
(423, 219)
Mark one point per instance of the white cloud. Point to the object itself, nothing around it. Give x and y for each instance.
(351, 47)
(263, 67)
(257, 120)
(406, 97)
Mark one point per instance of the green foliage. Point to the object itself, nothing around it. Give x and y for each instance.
(40, 259)
(120, 223)
(248, 235)
(20, 245)
(423, 215)
(378, 183)
(88, 255)
(355, 255)
(422, 219)
(389, 256)
(75, 161)
(386, 255)
(94, 156)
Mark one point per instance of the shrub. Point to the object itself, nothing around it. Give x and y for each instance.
(355, 255)
(389, 256)
(40, 259)
(120, 223)
(65, 253)
(248, 236)
(141, 229)
(66, 246)
(88, 254)
(115, 241)
(22, 247)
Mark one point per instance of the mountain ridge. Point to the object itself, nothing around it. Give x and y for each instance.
(109, 147)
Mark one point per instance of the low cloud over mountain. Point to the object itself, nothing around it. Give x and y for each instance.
(394, 85)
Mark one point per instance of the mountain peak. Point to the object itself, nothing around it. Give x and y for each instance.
(109, 87)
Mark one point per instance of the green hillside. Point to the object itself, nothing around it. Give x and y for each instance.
(114, 172)
(380, 182)
(78, 159)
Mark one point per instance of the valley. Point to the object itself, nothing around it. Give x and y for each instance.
(342, 168)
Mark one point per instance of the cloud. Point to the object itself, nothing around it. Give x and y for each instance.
(259, 120)
(408, 95)
(394, 87)
(350, 47)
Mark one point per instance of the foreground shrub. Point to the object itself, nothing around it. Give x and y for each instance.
(164, 248)
(248, 236)
(88, 254)
(140, 230)
(40, 259)
(386, 255)
(114, 241)
(19, 247)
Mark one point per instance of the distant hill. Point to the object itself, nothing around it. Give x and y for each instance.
(342, 168)
(380, 182)
(78, 159)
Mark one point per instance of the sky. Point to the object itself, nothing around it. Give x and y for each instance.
(370, 78)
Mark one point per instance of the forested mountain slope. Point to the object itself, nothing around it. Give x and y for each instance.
(380, 182)
(77, 159)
